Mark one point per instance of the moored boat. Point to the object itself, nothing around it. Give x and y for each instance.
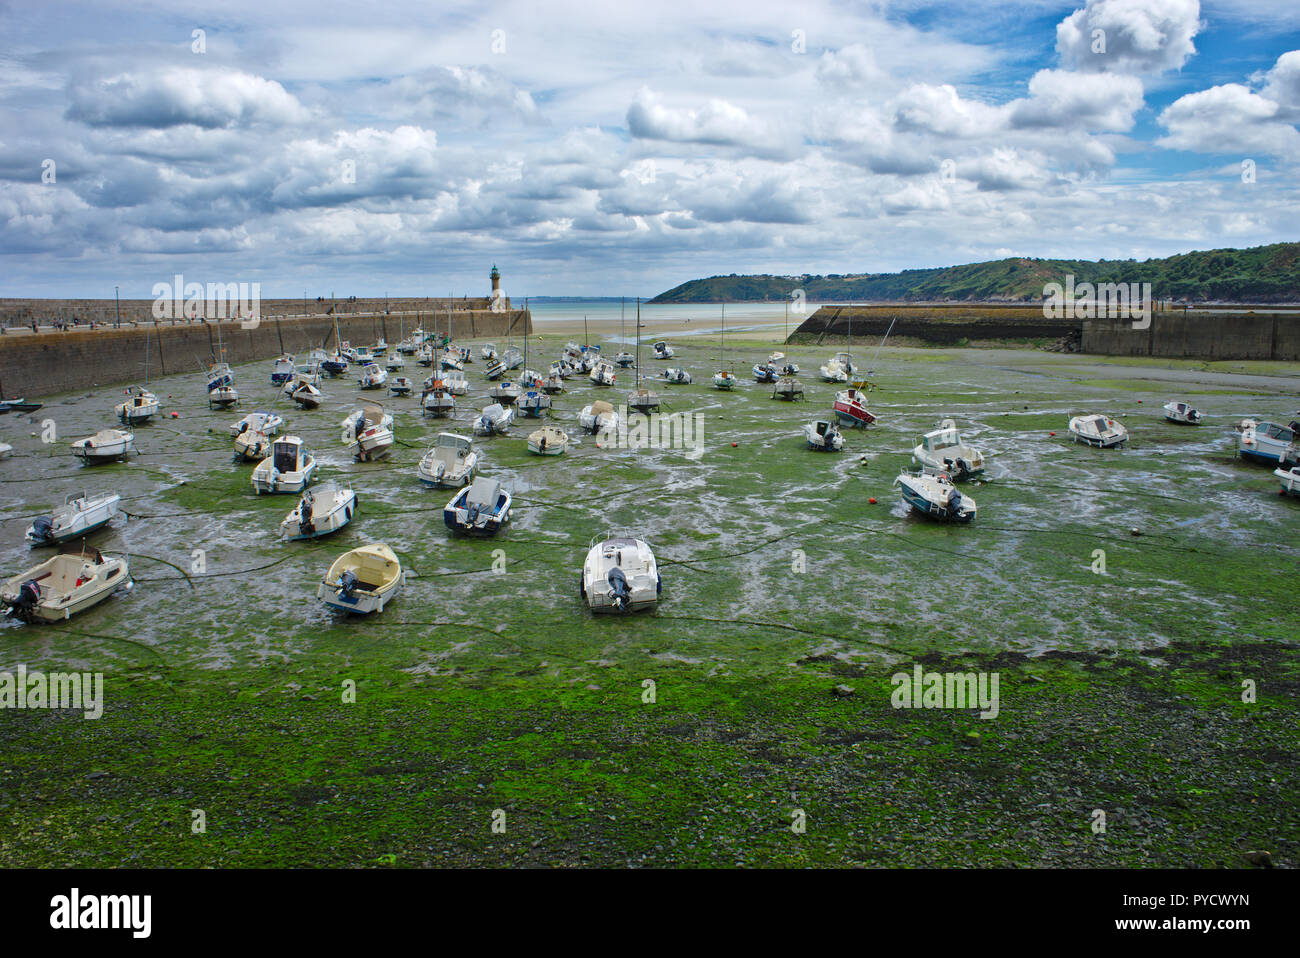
(943, 449)
(62, 586)
(450, 463)
(78, 516)
(368, 433)
(935, 496)
(140, 406)
(851, 406)
(620, 575)
(1182, 413)
(1100, 431)
(494, 420)
(104, 446)
(327, 508)
(823, 436)
(598, 416)
(480, 509)
(548, 441)
(363, 580)
(288, 468)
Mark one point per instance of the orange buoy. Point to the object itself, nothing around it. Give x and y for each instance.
(734, 445)
(872, 500)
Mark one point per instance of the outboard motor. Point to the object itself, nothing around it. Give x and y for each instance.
(43, 528)
(963, 467)
(618, 589)
(954, 502)
(473, 512)
(347, 584)
(29, 593)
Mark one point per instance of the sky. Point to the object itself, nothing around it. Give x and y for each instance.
(600, 148)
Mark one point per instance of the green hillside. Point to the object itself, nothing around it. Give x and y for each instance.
(1257, 275)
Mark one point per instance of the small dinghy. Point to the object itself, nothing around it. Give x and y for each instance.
(1182, 413)
(372, 376)
(288, 468)
(141, 405)
(263, 422)
(488, 352)
(851, 407)
(624, 360)
(934, 495)
(1268, 442)
(437, 400)
(320, 511)
(223, 397)
(1100, 431)
(620, 575)
(788, 369)
(457, 384)
(599, 416)
(18, 405)
(943, 450)
(282, 371)
(534, 403)
(64, 585)
(305, 394)
(368, 433)
(724, 379)
(788, 389)
(506, 392)
(480, 509)
(494, 420)
(554, 382)
(450, 463)
(104, 446)
(765, 373)
(363, 580)
(400, 386)
(78, 516)
(663, 350)
(823, 436)
(548, 441)
(676, 376)
(1290, 480)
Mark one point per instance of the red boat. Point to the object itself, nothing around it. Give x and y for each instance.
(851, 407)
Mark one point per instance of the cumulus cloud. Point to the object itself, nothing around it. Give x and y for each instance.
(1282, 84)
(1094, 101)
(1229, 118)
(717, 123)
(1129, 36)
(171, 96)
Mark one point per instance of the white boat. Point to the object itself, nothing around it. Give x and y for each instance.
(554, 383)
(305, 394)
(223, 397)
(839, 369)
(363, 580)
(1269, 442)
(506, 392)
(368, 433)
(603, 373)
(620, 575)
(775, 357)
(400, 386)
(6, 450)
(104, 446)
(320, 511)
(765, 373)
(534, 403)
(943, 450)
(624, 359)
(252, 445)
(787, 388)
(1290, 479)
(480, 509)
(219, 375)
(288, 468)
(512, 358)
(140, 406)
(263, 422)
(934, 495)
(548, 441)
(1100, 431)
(308, 373)
(450, 463)
(424, 355)
(488, 352)
(724, 379)
(663, 350)
(676, 376)
(573, 351)
(494, 420)
(495, 369)
(437, 400)
(456, 382)
(372, 376)
(78, 516)
(282, 371)
(851, 406)
(395, 362)
(598, 416)
(788, 368)
(64, 585)
(451, 360)
(1181, 412)
(823, 435)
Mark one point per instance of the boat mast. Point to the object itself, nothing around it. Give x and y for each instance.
(638, 342)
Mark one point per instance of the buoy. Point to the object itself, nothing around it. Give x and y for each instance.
(1051, 434)
(734, 445)
(175, 414)
(1135, 531)
(872, 500)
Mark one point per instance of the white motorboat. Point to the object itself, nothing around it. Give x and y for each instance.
(548, 441)
(363, 580)
(534, 403)
(944, 450)
(307, 373)
(437, 400)
(823, 435)
(400, 386)
(624, 359)
(395, 362)
(373, 376)
(104, 446)
(282, 371)
(1100, 431)
(1181, 412)
(788, 368)
(833, 372)
(450, 463)
(320, 511)
(219, 375)
(1290, 480)
(506, 392)
(724, 379)
(676, 376)
(765, 373)
(64, 585)
(598, 416)
(494, 420)
(451, 360)
(851, 406)
(480, 509)
(78, 516)
(263, 422)
(368, 433)
(603, 373)
(512, 358)
(6, 450)
(252, 446)
(787, 388)
(488, 352)
(1269, 442)
(934, 495)
(223, 397)
(573, 351)
(495, 369)
(305, 394)
(424, 355)
(140, 406)
(663, 350)
(288, 468)
(457, 384)
(620, 575)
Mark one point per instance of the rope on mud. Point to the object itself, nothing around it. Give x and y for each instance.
(66, 630)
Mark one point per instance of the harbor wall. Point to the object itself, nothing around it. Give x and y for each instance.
(939, 324)
(1199, 335)
(45, 363)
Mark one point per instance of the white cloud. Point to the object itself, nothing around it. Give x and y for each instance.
(171, 96)
(1093, 101)
(1228, 119)
(1136, 36)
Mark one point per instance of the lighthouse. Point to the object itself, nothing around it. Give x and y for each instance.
(495, 276)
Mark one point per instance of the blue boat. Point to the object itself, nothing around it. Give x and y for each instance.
(1269, 443)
